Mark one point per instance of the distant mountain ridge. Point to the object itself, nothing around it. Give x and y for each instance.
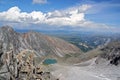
(41, 44)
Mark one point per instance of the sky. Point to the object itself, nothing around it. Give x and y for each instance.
(96, 15)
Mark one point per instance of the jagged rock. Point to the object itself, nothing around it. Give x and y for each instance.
(111, 52)
(22, 67)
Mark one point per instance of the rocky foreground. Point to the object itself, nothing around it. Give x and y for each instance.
(23, 66)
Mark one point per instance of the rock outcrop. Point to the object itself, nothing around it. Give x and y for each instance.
(111, 52)
(22, 67)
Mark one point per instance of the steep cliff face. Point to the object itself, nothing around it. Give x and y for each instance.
(111, 52)
(108, 54)
(41, 44)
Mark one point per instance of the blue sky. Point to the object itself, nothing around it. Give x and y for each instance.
(61, 14)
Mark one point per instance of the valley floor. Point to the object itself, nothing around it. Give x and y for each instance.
(88, 72)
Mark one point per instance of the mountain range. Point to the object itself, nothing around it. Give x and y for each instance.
(41, 44)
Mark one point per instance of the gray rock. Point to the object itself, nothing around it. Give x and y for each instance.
(42, 44)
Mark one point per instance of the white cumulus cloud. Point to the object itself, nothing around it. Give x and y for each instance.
(39, 1)
(73, 17)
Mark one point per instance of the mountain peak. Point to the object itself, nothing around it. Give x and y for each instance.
(41, 44)
(7, 28)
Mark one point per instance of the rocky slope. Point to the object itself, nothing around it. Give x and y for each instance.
(42, 44)
(99, 64)
(111, 52)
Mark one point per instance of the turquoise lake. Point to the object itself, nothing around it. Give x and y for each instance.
(49, 61)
